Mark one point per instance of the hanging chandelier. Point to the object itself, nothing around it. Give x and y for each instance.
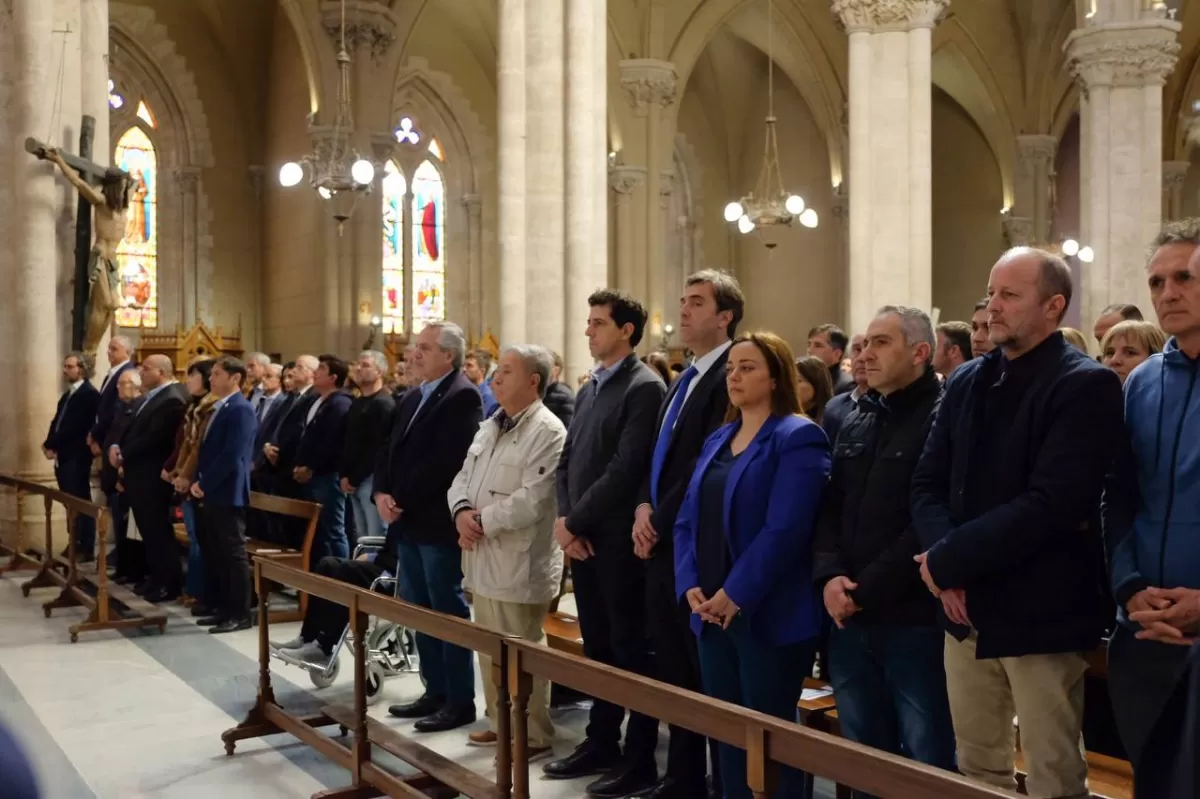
(335, 169)
(770, 203)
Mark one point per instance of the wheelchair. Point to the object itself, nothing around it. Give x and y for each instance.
(390, 648)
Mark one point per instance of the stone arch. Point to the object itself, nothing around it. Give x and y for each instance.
(309, 50)
(146, 60)
(437, 104)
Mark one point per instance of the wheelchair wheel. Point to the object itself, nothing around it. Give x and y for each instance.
(319, 678)
(374, 680)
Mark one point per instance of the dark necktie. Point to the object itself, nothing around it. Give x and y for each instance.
(664, 435)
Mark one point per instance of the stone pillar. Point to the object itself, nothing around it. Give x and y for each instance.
(511, 170)
(1031, 211)
(37, 213)
(257, 175)
(890, 157)
(586, 171)
(187, 181)
(474, 238)
(650, 87)
(1174, 176)
(624, 181)
(1120, 57)
(841, 219)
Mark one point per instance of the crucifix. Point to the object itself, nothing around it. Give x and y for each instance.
(97, 280)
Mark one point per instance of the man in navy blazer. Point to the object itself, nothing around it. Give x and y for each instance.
(120, 349)
(222, 489)
(319, 454)
(433, 427)
(67, 445)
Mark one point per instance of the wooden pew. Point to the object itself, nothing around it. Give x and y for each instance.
(111, 606)
(21, 557)
(298, 558)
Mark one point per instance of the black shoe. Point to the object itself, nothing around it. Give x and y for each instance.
(161, 595)
(671, 788)
(425, 706)
(201, 611)
(209, 621)
(447, 719)
(231, 626)
(625, 779)
(586, 760)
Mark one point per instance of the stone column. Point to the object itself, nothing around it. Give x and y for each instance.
(624, 181)
(474, 238)
(890, 159)
(841, 216)
(586, 172)
(257, 175)
(1174, 176)
(1120, 58)
(37, 213)
(1031, 211)
(511, 169)
(650, 87)
(187, 180)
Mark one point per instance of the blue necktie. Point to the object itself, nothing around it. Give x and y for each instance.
(664, 435)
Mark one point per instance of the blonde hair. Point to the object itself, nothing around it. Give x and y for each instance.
(1145, 333)
(1075, 339)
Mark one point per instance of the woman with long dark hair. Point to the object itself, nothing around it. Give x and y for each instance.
(181, 471)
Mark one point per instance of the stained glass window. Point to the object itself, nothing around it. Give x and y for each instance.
(137, 254)
(115, 100)
(394, 189)
(428, 264)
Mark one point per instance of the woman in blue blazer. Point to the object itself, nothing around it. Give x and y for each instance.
(742, 545)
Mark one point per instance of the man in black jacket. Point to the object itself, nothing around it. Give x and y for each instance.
(319, 455)
(709, 312)
(367, 424)
(283, 444)
(560, 399)
(147, 443)
(886, 650)
(828, 344)
(434, 426)
(840, 405)
(67, 445)
(604, 461)
(1004, 500)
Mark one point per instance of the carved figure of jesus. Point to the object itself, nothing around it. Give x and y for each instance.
(111, 208)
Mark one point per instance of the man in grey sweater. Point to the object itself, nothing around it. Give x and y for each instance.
(603, 464)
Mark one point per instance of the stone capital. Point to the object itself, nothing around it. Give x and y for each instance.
(1037, 148)
(383, 145)
(624, 180)
(1123, 53)
(370, 27)
(1174, 173)
(473, 203)
(1018, 230)
(666, 185)
(187, 178)
(876, 16)
(647, 82)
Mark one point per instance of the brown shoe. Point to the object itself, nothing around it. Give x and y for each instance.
(482, 738)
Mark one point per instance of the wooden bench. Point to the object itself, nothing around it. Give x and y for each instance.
(299, 558)
(562, 633)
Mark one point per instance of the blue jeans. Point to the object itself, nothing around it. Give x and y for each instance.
(738, 666)
(366, 516)
(890, 687)
(431, 576)
(195, 561)
(331, 539)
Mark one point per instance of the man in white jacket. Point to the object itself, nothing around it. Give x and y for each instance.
(503, 502)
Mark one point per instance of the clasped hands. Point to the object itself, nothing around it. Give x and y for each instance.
(1167, 615)
(644, 534)
(720, 609)
(954, 600)
(576, 547)
(470, 528)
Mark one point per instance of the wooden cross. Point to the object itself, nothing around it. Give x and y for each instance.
(93, 173)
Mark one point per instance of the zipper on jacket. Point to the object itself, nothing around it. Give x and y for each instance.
(1162, 552)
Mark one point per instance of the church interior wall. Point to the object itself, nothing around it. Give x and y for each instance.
(967, 198)
(1066, 223)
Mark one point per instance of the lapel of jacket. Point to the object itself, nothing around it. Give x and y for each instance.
(427, 407)
(699, 397)
(739, 466)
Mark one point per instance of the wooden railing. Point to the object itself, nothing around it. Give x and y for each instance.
(111, 606)
(769, 742)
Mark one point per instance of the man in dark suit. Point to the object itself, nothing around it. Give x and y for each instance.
(709, 313)
(319, 454)
(145, 447)
(263, 476)
(284, 441)
(828, 344)
(222, 489)
(67, 445)
(120, 351)
(603, 465)
(434, 426)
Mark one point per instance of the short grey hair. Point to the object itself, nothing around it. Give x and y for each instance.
(260, 358)
(275, 369)
(1183, 231)
(85, 363)
(536, 360)
(309, 362)
(134, 376)
(914, 324)
(451, 339)
(125, 342)
(378, 358)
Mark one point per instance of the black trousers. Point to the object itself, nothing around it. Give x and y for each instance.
(150, 501)
(677, 662)
(610, 597)
(1142, 676)
(75, 478)
(221, 533)
(325, 620)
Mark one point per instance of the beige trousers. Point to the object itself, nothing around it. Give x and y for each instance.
(1046, 694)
(524, 621)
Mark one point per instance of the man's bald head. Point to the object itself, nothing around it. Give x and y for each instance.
(156, 370)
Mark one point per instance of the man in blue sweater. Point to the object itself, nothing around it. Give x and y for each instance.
(1151, 512)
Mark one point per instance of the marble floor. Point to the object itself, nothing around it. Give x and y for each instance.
(140, 715)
